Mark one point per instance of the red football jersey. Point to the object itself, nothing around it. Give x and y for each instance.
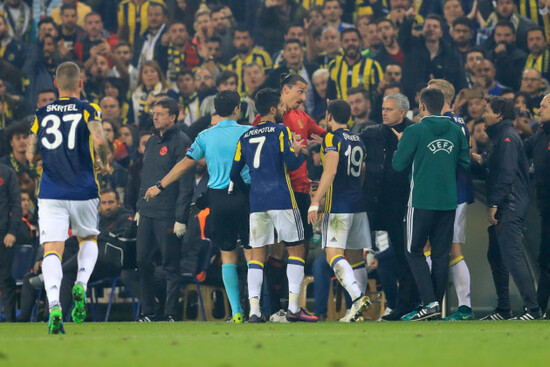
(302, 126)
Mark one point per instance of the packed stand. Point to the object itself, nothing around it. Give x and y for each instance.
(143, 58)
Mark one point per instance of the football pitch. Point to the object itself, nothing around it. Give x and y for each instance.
(467, 344)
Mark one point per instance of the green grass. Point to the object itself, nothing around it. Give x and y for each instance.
(466, 344)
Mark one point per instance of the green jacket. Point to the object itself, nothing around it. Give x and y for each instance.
(434, 147)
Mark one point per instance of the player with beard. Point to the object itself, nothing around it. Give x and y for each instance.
(302, 126)
(365, 71)
(268, 151)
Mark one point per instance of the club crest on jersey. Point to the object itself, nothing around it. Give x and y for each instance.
(441, 145)
(300, 123)
(163, 151)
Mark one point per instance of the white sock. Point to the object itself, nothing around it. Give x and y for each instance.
(344, 273)
(255, 280)
(461, 280)
(361, 276)
(295, 275)
(87, 257)
(53, 273)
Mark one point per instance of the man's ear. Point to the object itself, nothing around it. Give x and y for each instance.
(55, 83)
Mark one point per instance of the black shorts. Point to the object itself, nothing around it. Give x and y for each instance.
(229, 218)
(304, 201)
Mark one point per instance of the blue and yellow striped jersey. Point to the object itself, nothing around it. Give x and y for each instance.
(134, 17)
(268, 152)
(530, 9)
(345, 195)
(366, 72)
(66, 148)
(237, 64)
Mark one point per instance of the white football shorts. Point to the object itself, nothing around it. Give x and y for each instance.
(287, 223)
(349, 231)
(54, 217)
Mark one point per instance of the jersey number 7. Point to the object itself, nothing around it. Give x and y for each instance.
(260, 140)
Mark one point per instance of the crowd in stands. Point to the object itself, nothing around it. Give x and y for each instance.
(133, 52)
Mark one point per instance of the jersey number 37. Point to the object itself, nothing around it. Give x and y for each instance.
(54, 137)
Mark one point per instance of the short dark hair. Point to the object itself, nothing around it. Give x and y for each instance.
(265, 99)
(536, 29)
(170, 104)
(156, 3)
(434, 17)
(506, 23)
(293, 25)
(47, 90)
(292, 40)
(67, 7)
(356, 90)
(502, 106)
(91, 14)
(46, 20)
(433, 99)
(291, 79)
(17, 128)
(242, 28)
(214, 39)
(225, 76)
(226, 101)
(185, 72)
(329, 1)
(350, 30)
(340, 111)
(476, 49)
(122, 44)
(463, 20)
(384, 20)
(109, 190)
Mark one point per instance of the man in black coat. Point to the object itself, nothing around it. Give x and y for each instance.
(508, 199)
(387, 192)
(10, 218)
(161, 220)
(537, 148)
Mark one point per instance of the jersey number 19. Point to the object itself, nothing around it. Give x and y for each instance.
(355, 159)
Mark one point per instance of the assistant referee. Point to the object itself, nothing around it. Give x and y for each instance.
(228, 212)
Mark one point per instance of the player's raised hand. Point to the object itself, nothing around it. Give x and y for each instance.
(151, 193)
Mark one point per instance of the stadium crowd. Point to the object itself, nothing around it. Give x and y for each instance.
(490, 60)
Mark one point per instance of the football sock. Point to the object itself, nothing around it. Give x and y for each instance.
(87, 257)
(231, 283)
(361, 275)
(53, 273)
(344, 273)
(255, 280)
(461, 280)
(295, 275)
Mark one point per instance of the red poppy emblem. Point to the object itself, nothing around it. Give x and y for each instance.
(163, 151)
(1, 181)
(507, 140)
